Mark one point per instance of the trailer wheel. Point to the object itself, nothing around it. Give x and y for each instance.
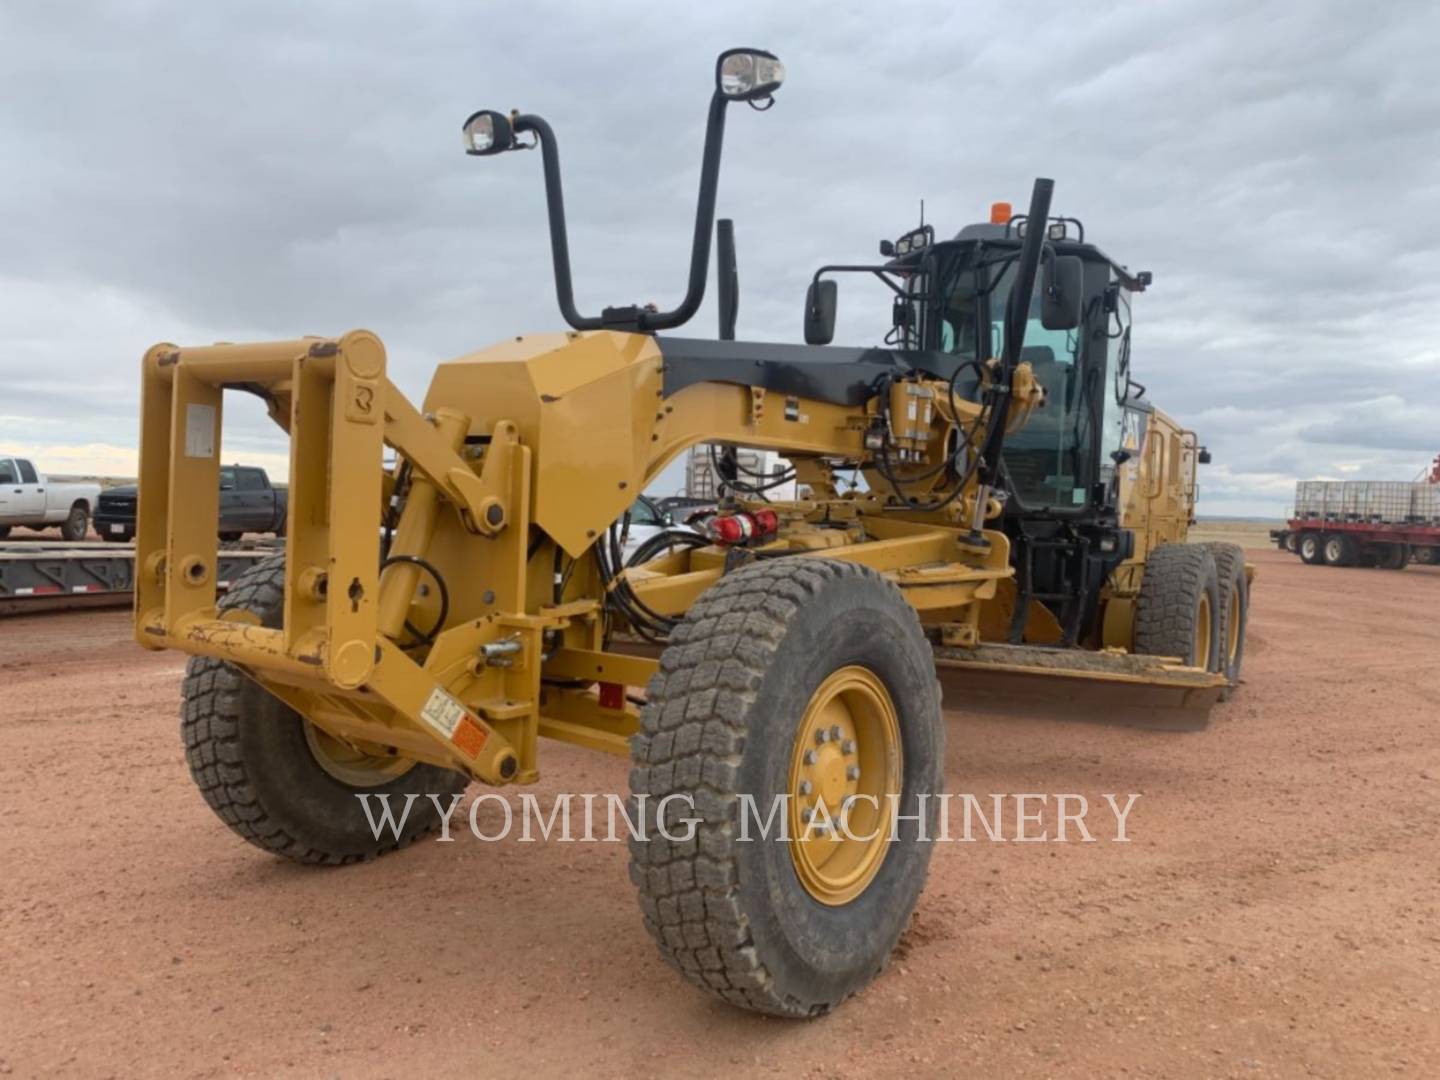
(1341, 550)
(275, 779)
(1311, 549)
(1423, 555)
(1393, 557)
(1289, 542)
(77, 524)
(1177, 611)
(1234, 610)
(791, 685)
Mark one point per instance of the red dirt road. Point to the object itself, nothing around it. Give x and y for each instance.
(1276, 912)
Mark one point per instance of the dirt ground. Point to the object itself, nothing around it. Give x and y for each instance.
(1276, 912)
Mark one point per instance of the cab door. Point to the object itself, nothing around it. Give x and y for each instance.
(32, 491)
(10, 492)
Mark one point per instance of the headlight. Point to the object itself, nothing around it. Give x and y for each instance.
(748, 74)
(486, 132)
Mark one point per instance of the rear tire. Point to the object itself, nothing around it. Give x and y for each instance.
(230, 537)
(1288, 544)
(1341, 550)
(76, 525)
(1179, 601)
(1234, 611)
(1423, 556)
(272, 777)
(1310, 549)
(4, 531)
(729, 717)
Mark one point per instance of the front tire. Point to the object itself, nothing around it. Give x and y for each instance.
(76, 525)
(740, 718)
(277, 781)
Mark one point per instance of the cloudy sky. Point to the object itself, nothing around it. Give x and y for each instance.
(198, 172)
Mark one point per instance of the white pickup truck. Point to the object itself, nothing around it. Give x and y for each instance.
(27, 498)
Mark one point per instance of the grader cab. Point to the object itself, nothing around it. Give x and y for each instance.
(987, 495)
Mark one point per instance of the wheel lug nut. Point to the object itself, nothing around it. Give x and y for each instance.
(810, 757)
(806, 787)
(853, 772)
(834, 731)
(807, 815)
(822, 736)
(848, 746)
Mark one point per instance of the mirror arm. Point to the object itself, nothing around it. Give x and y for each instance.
(555, 210)
(704, 224)
(878, 271)
(700, 246)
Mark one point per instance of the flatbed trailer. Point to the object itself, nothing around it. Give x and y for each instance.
(45, 576)
(1335, 541)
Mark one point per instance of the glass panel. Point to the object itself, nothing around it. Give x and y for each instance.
(28, 474)
(1043, 458)
(7, 472)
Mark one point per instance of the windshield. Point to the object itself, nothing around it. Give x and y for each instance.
(1043, 458)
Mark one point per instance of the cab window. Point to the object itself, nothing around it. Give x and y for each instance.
(28, 475)
(8, 475)
(1044, 457)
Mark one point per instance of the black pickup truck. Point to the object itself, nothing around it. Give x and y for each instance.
(249, 503)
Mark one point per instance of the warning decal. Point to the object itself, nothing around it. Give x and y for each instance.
(469, 737)
(442, 712)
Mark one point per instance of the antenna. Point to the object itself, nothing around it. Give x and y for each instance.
(922, 213)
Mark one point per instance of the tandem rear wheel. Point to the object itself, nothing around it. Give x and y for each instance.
(1179, 611)
(794, 687)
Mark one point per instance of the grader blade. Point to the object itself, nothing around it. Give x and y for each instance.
(1072, 684)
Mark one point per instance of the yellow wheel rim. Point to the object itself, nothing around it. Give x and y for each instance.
(349, 765)
(1202, 633)
(846, 753)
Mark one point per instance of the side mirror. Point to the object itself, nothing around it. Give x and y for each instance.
(820, 301)
(1062, 287)
(1204, 456)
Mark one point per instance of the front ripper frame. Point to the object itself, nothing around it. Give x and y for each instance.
(336, 658)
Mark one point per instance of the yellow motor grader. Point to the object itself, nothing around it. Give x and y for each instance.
(987, 495)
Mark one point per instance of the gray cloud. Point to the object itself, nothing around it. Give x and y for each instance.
(206, 171)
